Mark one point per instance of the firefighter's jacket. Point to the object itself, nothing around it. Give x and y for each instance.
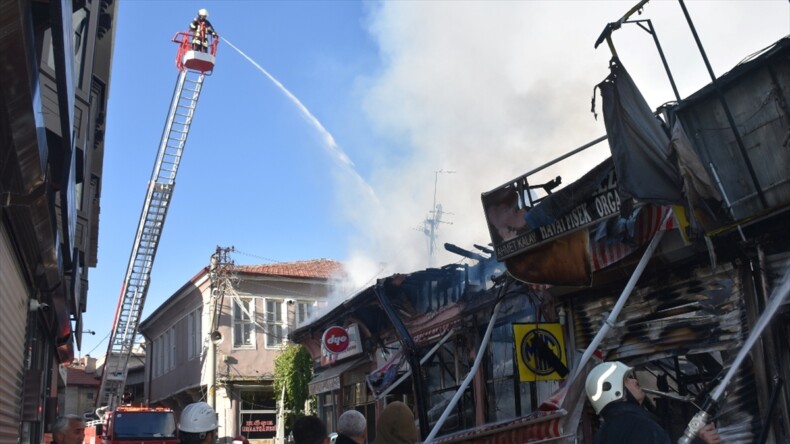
(201, 28)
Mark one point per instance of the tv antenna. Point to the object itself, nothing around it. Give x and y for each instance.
(431, 223)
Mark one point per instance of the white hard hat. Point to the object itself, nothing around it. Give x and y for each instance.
(198, 417)
(203, 12)
(605, 384)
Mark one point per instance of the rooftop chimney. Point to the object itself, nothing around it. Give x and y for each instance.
(90, 364)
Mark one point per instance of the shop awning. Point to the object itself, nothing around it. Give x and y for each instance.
(330, 379)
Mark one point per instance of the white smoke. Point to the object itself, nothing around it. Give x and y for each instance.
(492, 90)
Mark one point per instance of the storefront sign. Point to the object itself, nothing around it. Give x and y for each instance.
(258, 425)
(336, 339)
(353, 346)
(515, 228)
(540, 349)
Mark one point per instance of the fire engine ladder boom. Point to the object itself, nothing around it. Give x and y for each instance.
(149, 230)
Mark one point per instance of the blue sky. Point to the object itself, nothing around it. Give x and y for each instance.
(489, 90)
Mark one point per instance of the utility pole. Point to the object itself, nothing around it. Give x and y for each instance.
(431, 223)
(220, 275)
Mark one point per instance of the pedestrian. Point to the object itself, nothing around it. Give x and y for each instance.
(352, 428)
(615, 394)
(396, 425)
(201, 28)
(68, 429)
(310, 430)
(198, 424)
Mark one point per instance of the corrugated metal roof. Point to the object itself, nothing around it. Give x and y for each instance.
(318, 269)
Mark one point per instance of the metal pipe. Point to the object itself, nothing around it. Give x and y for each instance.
(700, 419)
(726, 199)
(668, 395)
(730, 119)
(607, 35)
(771, 407)
(411, 351)
(563, 157)
(652, 32)
(618, 306)
(607, 31)
(422, 361)
(469, 377)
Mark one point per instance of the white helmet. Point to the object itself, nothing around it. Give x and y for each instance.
(198, 417)
(605, 384)
(203, 12)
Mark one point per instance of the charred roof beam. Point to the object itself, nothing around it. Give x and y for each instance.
(410, 348)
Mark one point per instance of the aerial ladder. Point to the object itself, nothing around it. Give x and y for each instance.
(193, 66)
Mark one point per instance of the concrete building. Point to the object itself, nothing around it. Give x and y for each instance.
(82, 383)
(54, 87)
(247, 313)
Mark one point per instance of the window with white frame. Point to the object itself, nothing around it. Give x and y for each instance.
(199, 329)
(165, 352)
(304, 310)
(160, 355)
(154, 359)
(191, 335)
(194, 333)
(165, 349)
(172, 348)
(274, 323)
(243, 322)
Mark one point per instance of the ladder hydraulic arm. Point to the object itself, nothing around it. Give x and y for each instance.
(152, 219)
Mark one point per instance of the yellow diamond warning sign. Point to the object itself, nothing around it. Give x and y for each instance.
(540, 349)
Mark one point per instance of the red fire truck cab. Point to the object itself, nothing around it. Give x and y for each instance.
(137, 425)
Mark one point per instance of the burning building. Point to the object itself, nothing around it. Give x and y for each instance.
(664, 256)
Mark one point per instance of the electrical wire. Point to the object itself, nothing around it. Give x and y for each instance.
(257, 256)
(100, 343)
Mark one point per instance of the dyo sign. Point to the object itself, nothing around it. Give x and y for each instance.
(335, 339)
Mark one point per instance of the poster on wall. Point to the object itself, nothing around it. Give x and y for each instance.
(540, 349)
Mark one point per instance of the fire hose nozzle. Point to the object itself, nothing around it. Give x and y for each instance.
(695, 425)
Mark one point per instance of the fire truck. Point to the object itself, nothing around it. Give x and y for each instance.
(126, 424)
(142, 424)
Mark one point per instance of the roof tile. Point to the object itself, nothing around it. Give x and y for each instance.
(318, 269)
(78, 376)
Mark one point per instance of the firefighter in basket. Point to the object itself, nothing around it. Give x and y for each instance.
(201, 28)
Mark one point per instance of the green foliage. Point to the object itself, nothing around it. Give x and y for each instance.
(293, 368)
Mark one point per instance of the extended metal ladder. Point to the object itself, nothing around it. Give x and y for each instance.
(149, 231)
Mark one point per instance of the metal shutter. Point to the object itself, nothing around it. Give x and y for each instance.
(687, 313)
(13, 315)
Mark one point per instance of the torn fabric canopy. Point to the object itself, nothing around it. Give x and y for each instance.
(639, 144)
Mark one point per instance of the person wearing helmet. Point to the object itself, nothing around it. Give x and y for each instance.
(616, 396)
(201, 28)
(198, 424)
